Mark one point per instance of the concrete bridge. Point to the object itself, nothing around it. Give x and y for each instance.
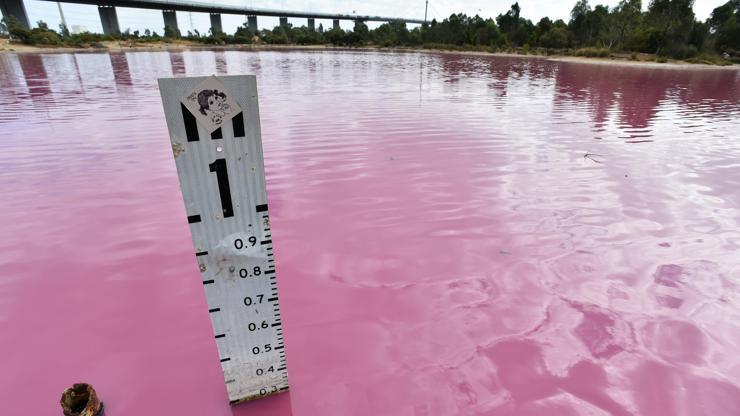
(109, 17)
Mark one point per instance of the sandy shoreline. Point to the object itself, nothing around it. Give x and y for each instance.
(115, 46)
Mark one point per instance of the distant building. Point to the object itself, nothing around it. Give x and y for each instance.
(79, 29)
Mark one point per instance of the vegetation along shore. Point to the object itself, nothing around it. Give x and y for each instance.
(667, 31)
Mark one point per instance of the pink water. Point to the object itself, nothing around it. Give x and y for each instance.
(454, 236)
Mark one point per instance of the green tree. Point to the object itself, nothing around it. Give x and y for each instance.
(63, 30)
(487, 33)
(725, 24)
(171, 33)
(555, 37)
(391, 34)
(360, 34)
(15, 29)
(509, 22)
(243, 34)
(278, 35)
(601, 29)
(336, 36)
(673, 21)
(542, 27)
(625, 18)
(579, 24)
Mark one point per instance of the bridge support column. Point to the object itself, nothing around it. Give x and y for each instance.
(109, 20)
(216, 23)
(170, 20)
(283, 22)
(311, 24)
(16, 9)
(335, 24)
(252, 24)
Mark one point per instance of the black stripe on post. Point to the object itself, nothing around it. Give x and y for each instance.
(191, 126)
(238, 123)
(262, 208)
(217, 134)
(193, 218)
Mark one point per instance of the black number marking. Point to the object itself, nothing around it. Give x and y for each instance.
(263, 391)
(261, 371)
(238, 123)
(249, 301)
(224, 191)
(253, 327)
(191, 126)
(243, 273)
(258, 350)
(239, 243)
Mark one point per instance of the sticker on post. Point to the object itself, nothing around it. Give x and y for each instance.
(211, 104)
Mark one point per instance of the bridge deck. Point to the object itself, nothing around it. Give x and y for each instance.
(191, 6)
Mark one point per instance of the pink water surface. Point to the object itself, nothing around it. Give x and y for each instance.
(455, 235)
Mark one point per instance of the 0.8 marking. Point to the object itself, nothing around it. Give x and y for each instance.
(256, 272)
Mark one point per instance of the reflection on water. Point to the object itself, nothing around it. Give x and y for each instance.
(454, 235)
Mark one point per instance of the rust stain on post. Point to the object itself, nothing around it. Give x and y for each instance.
(177, 149)
(81, 400)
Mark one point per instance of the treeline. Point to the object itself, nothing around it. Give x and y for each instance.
(667, 28)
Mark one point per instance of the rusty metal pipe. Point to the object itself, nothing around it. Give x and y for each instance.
(81, 400)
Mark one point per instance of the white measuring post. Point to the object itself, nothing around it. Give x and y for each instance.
(222, 178)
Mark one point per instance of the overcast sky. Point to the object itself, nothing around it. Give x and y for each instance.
(87, 16)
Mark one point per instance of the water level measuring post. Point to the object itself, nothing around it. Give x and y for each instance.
(215, 134)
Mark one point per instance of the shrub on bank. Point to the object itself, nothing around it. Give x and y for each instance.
(709, 59)
(593, 52)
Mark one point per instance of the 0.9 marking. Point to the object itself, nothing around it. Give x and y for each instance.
(239, 243)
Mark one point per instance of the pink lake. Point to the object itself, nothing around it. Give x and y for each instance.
(454, 235)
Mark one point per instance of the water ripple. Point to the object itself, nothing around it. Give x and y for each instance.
(455, 235)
